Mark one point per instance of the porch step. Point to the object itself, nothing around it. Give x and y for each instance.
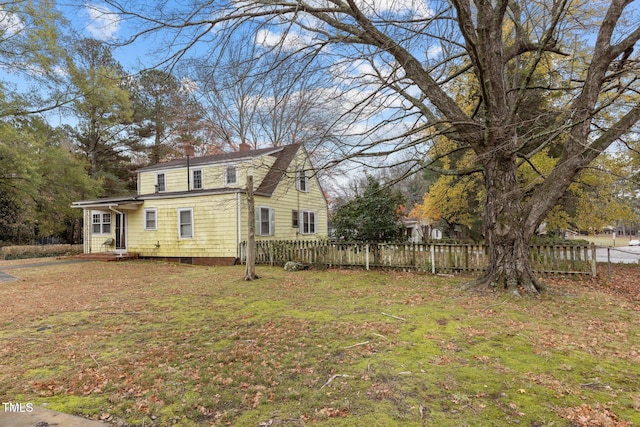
(107, 256)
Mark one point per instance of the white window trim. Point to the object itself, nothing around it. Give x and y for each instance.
(193, 179)
(180, 236)
(95, 216)
(301, 222)
(301, 173)
(155, 214)
(272, 221)
(102, 223)
(226, 175)
(157, 185)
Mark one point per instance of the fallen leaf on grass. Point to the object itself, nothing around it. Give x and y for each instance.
(592, 416)
(332, 412)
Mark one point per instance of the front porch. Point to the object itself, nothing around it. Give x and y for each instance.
(106, 226)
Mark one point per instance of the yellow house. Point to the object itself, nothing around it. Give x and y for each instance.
(195, 209)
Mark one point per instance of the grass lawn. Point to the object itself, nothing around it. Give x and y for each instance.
(154, 344)
(607, 240)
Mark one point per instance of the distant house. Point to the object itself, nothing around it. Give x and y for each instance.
(570, 234)
(196, 208)
(421, 231)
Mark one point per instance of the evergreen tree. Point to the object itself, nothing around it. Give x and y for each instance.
(166, 116)
(373, 216)
(103, 110)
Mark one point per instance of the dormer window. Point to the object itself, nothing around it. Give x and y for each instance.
(196, 179)
(231, 175)
(302, 180)
(160, 183)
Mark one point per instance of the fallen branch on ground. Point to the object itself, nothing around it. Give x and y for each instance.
(333, 378)
(125, 312)
(356, 345)
(94, 359)
(393, 317)
(381, 336)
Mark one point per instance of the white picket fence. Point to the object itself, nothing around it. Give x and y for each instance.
(425, 257)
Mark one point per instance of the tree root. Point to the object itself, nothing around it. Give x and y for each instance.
(518, 284)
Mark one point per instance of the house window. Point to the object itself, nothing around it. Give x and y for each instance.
(101, 223)
(196, 179)
(150, 219)
(160, 183)
(302, 180)
(185, 223)
(295, 216)
(308, 225)
(231, 175)
(265, 221)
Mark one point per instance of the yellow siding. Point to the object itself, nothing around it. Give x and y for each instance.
(213, 176)
(286, 198)
(175, 180)
(214, 221)
(259, 168)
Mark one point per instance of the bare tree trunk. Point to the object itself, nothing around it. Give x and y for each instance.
(506, 231)
(250, 272)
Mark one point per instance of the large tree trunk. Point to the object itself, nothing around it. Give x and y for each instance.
(507, 231)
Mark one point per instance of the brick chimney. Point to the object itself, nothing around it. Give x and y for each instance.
(243, 146)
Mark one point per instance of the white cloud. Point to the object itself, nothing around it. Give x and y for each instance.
(104, 23)
(60, 71)
(10, 23)
(434, 52)
(291, 40)
(418, 9)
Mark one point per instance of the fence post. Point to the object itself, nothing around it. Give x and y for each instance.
(366, 256)
(466, 257)
(593, 260)
(270, 253)
(433, 258)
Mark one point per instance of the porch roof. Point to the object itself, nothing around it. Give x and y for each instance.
(133, 202)
(125, 203)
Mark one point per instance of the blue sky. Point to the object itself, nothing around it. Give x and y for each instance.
(96, 20)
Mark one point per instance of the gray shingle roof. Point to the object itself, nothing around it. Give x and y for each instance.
(277, 171)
